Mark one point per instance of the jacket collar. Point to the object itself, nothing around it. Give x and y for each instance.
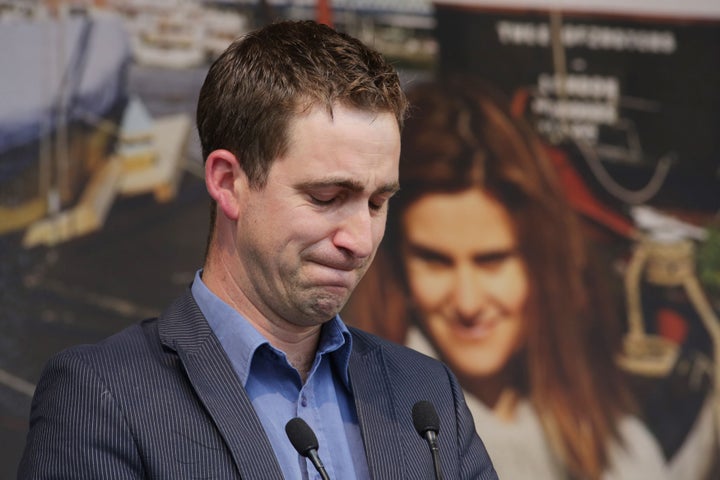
(373, 396)
(183, 328)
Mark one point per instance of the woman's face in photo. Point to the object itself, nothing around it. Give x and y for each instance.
(466, 278)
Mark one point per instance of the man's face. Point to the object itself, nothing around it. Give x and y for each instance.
(307, 237)
(466, 279)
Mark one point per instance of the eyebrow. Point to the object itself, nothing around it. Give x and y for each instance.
(344, 183)
(431, 253)
(427, 252)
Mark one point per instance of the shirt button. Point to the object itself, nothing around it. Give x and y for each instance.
(303, 401)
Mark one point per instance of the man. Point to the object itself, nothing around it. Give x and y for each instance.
(300, 132)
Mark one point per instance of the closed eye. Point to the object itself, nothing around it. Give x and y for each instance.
(322, 201)
(327, 193)
(380, 200)
(377, 206)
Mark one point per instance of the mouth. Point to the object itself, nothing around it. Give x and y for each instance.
(342, 265)
(328, 274)
(477, 328)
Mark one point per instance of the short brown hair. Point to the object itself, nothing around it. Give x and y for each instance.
(263, 79)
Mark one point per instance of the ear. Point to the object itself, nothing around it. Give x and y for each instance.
(225, 181)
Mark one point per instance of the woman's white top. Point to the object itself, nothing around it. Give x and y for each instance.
(519, 449)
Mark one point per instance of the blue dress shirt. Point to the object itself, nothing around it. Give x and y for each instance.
(277, 393)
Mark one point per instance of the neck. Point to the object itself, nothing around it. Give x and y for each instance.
(300, 349)
(298, 342)
(500, 392)
(506, 404)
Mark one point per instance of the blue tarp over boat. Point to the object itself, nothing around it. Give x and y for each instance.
(75, 65)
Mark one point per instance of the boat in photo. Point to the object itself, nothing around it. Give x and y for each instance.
(71, 139)
(63, 91)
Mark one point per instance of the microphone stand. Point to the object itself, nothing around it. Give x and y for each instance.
(431, 438)
(315, 459)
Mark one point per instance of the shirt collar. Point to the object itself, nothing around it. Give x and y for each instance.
(241, 340)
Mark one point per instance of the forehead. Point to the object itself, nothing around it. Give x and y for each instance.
(468, 221)
(346, 143)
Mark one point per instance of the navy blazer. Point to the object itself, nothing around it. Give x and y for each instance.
(160, 400)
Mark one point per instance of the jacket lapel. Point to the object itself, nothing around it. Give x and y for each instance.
(184, 329)
(376, 411)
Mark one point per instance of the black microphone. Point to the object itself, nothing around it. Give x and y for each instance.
(427, 424)
(305, 442)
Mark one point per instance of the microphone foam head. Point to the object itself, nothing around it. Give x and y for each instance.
(301, 436)
(425, 418)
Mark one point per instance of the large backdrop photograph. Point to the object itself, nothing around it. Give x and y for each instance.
(555, 241)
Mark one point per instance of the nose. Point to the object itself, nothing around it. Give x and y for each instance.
(470, 295)
(357, 233)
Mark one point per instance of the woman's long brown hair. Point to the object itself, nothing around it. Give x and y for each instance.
(460, 135)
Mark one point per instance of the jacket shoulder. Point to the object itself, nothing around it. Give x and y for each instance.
(365, 342)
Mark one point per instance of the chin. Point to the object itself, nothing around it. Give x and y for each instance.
(326, 309)
(474, 368)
